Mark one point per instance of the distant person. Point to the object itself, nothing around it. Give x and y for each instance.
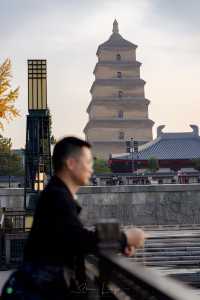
(179, 174)
(94, 180)
(120, 181)
(53, 267)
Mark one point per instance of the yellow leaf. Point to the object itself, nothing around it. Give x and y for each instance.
(7, 96)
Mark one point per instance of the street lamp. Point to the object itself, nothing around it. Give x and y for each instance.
(132, 150)
(135, 148)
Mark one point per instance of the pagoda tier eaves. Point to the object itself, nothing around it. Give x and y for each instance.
(116, 100)
(118, 82)
(119, 64)
(116, 42)
(118, 49)
(112, 47)
(116, 123)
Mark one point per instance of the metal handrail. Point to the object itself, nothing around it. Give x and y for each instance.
(123, 279)
(113, 274)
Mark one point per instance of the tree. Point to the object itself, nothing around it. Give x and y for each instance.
(10, 163)
(153, 164)
(5, 145)
(196, 163)
(101, 166)
(7, 95)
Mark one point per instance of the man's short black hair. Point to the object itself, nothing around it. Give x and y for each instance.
(68, 146)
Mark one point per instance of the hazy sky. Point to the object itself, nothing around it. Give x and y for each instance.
(67, 34)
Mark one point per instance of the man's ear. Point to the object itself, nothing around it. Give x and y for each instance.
(70, 163)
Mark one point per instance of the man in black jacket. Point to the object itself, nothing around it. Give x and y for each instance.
(53, 265)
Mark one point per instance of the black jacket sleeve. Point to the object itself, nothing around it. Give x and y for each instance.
(69, 229)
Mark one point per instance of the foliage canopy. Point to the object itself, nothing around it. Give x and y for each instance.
(101, 166)
(10, 163)
(153, 164)
(8, 96)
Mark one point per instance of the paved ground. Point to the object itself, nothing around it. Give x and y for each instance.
(3, 277)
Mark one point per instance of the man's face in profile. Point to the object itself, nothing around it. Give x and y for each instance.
(81, 167)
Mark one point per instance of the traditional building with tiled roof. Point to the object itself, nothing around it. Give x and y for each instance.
(172, 150)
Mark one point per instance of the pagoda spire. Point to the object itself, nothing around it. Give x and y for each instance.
(115, 27)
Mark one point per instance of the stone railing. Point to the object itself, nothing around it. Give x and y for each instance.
(113, 277)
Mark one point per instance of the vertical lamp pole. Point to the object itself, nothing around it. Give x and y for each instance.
(135, 148)
(131, 149)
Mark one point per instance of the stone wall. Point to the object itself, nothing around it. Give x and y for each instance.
(142, 205)
(110, 111)
(126, 55)
(113, 91)
(101, 150)
(104, 72)
(139, 205)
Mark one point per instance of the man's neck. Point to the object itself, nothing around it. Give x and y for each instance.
(68, 181)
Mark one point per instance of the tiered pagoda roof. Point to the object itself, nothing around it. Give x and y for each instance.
(115, 41)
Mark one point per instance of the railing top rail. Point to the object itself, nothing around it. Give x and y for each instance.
(17, 213)
(133, 277)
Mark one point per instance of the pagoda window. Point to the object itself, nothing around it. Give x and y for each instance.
(120, 94)
(120, 114)
(119, 74)
(118, 57)
(121, 135)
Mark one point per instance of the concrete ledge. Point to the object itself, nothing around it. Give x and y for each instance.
(131, 205)
(11, 191)
(139, 188)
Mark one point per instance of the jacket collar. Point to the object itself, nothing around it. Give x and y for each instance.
(58, 182)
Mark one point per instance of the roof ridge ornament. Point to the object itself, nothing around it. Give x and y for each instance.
(195, 129)
(115, 27)
(159, 130)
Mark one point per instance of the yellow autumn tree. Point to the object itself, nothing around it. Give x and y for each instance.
(8, 96)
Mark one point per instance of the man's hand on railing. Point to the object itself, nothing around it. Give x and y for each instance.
(129, 251)
(135, 239)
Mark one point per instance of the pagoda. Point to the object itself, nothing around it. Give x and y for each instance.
(118, 111)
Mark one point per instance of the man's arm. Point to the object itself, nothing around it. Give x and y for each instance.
(78, 239)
